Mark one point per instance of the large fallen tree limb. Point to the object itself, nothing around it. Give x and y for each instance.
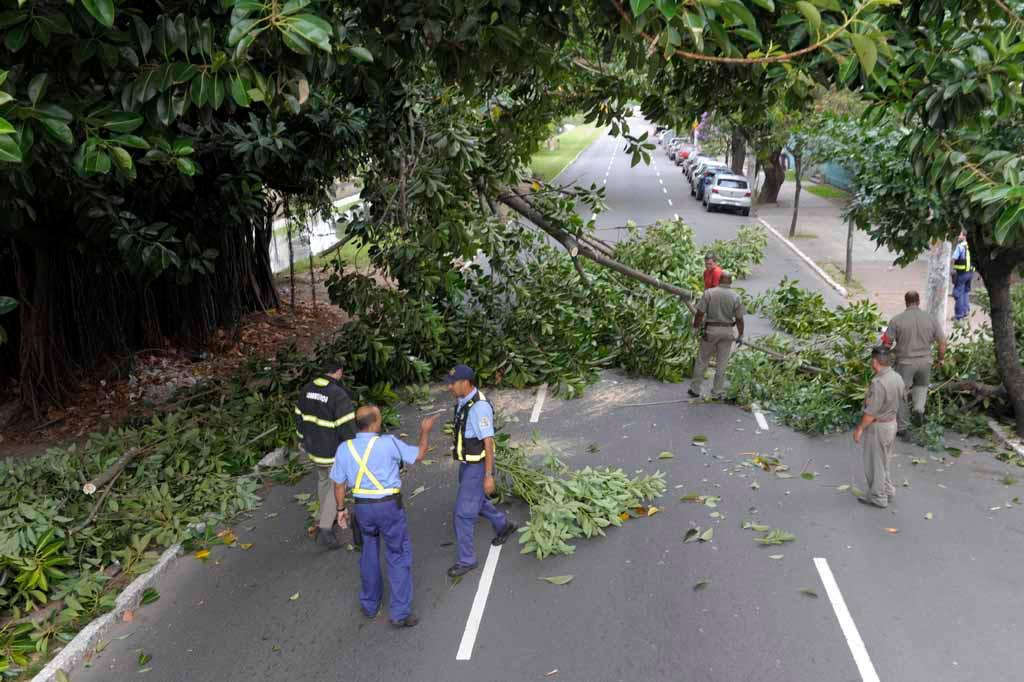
(583, 248)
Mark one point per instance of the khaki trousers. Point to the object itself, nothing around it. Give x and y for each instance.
(325, 493)
(916, 374)
(716, 342)
(878, 439)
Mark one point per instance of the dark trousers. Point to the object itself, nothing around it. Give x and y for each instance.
(962, 294)
(471, 503)
(384, 523)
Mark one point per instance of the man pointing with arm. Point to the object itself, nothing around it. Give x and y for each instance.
(368, 464)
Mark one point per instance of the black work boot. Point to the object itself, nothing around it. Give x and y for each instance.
(505, 533)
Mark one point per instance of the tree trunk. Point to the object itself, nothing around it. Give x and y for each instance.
(774, 177)
(849, 251)
(936, 295)
(738, 155)
(996, 267)
(798, 171)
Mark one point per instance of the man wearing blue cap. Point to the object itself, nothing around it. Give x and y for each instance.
(474, 451)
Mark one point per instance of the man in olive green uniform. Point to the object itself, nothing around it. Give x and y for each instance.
(877, 428)
(719, 310)
(911, 335)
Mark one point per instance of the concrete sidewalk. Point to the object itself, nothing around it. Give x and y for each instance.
(821, 234)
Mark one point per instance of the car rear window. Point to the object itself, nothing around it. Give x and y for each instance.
(737, 184)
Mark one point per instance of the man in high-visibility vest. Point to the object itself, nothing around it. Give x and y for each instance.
(324, 417)
(474, 451)
(368, 464)
(962, 274)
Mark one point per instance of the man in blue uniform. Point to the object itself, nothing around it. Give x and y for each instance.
(474, 451)
(962, 278)
(368, 464)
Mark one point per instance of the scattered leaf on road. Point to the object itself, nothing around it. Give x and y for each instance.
(917, 460)
(715, 515)
(144, 658)
(929, 516)
(418, 491)
(651, 511)
(843, 488)
(62, 676)
(892, 530)
(303, 497)
(707, 535)
(101, 645)
(665, 455)
(754, 485)
(775, 537)
(759, 527)
(294, 597)
(202, 554)
(700, 440)
(270, 515)
(775, 556)
(557, 579)
(228, 537)
(712, 501)
(245, 545)
(149, 596)
(691, 534)
(624, 516)
(807, 475)
(808, 592)
(555, 671)
(690, 497)
(783, 474)
(702, 583)
(954, 452)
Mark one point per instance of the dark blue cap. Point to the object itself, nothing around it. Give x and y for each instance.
(458, 373)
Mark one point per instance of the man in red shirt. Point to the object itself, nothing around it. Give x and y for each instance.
(712, 272)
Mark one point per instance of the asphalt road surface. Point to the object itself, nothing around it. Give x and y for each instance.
(922, 592)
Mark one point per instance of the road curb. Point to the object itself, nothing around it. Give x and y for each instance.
(806, 259)
(71, 655)
(1008, 440)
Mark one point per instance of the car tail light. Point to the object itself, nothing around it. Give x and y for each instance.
(714, 190)
(747, 193)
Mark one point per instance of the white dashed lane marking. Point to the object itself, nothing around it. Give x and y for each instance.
(853, 640)
(476, 613)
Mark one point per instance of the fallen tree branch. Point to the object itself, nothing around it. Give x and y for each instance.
(976, 388)
(99, 504)
(113, 471)
(775, 355)
(575, 246)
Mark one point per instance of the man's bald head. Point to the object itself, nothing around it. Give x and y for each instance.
(726, 278)
(368, 418)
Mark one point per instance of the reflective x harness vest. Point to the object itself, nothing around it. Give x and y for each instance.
(963, 264)
(467, 449)
(378, 489)
(307, 418)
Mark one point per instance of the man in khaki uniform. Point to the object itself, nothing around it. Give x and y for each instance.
(877, 428)
(719, 310)
(911, 335)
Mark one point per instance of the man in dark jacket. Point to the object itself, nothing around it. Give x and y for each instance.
(325, 418)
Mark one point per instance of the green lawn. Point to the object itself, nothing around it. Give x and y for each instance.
(353, 254)
(548, 164)
(827, 191)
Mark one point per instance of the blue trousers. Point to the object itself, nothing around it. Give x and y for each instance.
(385, 522)
(962, 294)
(470, 503)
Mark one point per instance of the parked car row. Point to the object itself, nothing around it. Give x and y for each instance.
(711, 182)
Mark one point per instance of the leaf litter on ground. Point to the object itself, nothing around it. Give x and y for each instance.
(775, 537)
(557, 579)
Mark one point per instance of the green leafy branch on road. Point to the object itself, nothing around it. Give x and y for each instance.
(568, 504)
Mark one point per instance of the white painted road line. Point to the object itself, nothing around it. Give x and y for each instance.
(675, 216)
(538, 404)
(670, 202)
(762, 423)
(664, 190)
(853, 640)
(476, 613)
